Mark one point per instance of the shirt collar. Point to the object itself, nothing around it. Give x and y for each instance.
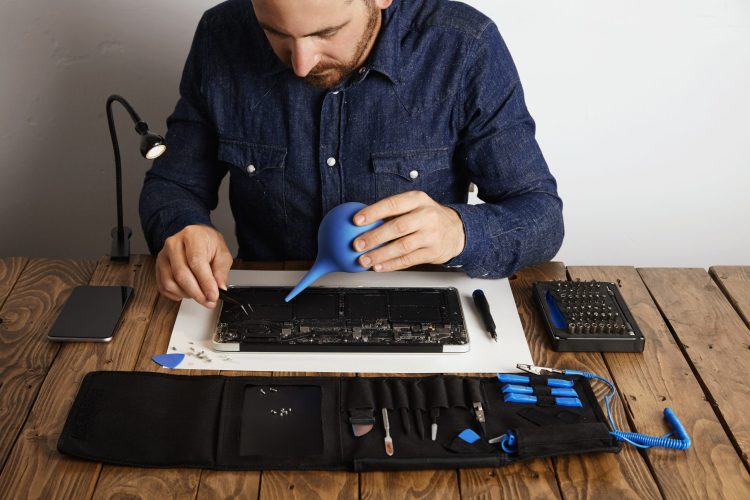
(387, 51)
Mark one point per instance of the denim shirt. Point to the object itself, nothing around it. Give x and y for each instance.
(437, 105)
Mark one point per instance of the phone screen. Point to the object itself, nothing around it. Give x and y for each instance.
(91, 314)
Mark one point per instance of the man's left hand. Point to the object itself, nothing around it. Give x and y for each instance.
(417, 230)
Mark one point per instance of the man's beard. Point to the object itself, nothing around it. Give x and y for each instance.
(328, 76)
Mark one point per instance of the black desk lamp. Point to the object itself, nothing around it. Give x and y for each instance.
(152, 146)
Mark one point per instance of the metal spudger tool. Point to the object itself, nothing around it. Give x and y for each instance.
(479, 414)
(484, 309)
(227, 296)
(388, 439)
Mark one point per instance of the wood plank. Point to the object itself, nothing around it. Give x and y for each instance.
(229, 484)
(661, 377)
(10, 270)
(713, 337)
(410, 484)
(533, 479)
(26, 355)
(735, 283)
(625, 474)
(308, 484)
(34, 467)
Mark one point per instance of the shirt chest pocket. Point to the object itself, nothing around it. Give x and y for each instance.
(257, 174)
(413, 170)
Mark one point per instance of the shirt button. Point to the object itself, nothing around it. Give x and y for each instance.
(331, 161)
(362, 70)
(413, 174)
(251, 169)
(336, 92)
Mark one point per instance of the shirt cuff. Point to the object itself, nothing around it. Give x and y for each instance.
(475, 241)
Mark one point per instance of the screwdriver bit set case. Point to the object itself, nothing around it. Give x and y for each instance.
(263, 423)
(587, 316)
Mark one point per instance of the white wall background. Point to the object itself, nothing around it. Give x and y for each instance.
(642, 110)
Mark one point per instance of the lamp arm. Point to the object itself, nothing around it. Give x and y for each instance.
(120, 235)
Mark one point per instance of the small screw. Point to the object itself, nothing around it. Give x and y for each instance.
(272, 389)
(263, 392)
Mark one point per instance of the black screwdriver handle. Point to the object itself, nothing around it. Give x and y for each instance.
(484, 309)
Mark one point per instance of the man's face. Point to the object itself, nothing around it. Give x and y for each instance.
(323, 41)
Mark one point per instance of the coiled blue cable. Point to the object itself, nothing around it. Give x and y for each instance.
(641, 440)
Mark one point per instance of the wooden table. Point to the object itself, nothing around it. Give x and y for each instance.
(697, 360)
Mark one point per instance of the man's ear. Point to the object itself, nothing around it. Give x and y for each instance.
(383, 4)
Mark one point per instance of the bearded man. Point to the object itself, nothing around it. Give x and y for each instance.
(398, 104)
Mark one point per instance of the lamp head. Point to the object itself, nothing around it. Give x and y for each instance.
(152, 145)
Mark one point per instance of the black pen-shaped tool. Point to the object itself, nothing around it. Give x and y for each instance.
(419, 419)
(405, 422)
(229, 297)
(484, 309)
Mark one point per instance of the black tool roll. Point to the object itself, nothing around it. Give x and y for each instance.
(218, 422)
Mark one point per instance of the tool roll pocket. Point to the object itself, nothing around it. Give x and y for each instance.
(360, 402)
(279, 423)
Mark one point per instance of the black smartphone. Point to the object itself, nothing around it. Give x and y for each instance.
(91, 314)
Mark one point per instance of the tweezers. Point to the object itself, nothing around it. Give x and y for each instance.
(229, 297)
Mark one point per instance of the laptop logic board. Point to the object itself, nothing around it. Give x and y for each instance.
(343, 319)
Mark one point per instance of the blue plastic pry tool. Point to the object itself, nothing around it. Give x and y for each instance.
(522, 379)
(511, 397)
(336, 251)
(170, 360)
(565, 392)
(469, 436)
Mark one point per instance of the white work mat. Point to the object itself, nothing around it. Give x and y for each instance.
(195, 325)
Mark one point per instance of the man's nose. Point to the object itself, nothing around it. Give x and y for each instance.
(304, 57)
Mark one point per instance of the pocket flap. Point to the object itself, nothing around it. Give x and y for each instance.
(410, 164)
(251, 158)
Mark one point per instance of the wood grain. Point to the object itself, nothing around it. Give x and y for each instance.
(10, 270)
(34, 467)
(533, 479)
(229, 484)
(308, 484)
(713, 337)
(661, 377)
(25, 353)
(410, 484)
(735, 283)
(592, 475)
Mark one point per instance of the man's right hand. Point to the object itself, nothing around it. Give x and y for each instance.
(194, 263)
